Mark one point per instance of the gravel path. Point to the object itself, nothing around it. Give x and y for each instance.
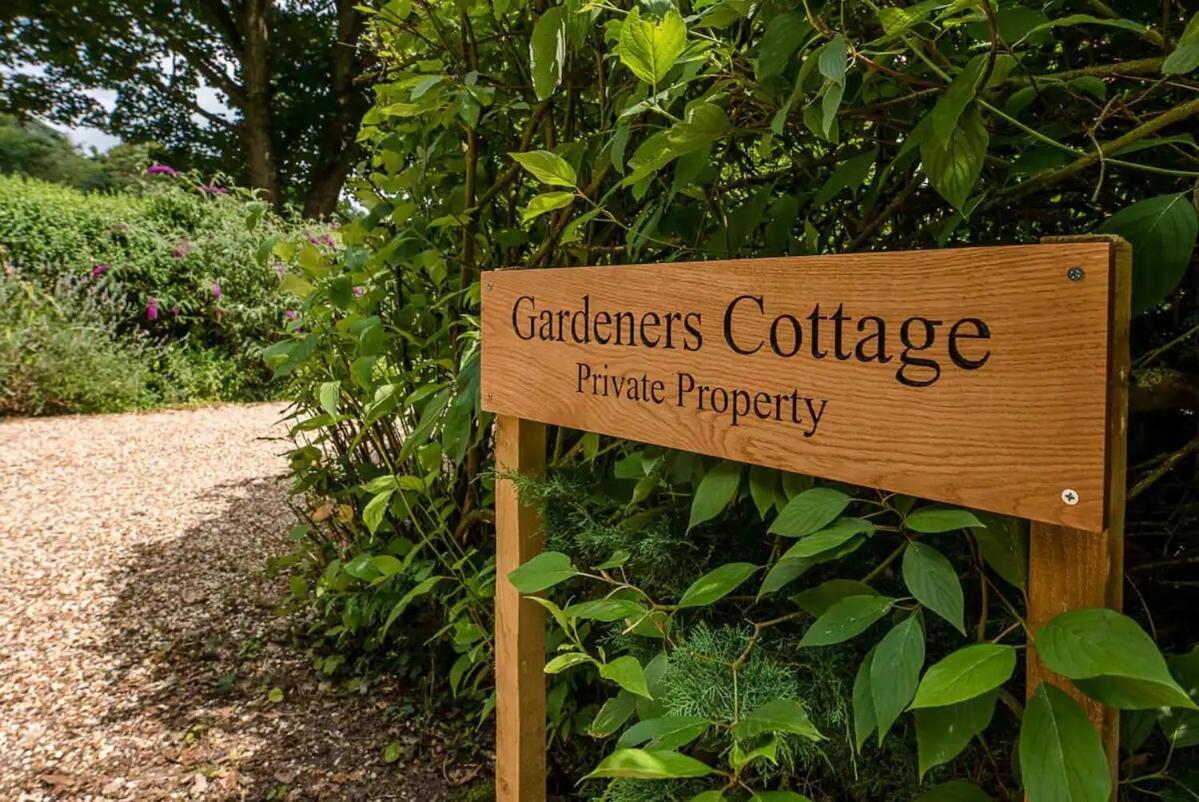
(140, 656)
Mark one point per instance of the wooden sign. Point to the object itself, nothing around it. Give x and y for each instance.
(974, 376)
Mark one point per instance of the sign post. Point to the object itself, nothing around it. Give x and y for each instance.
(992, 378)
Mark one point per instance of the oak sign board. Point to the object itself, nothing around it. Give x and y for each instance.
(972, 376)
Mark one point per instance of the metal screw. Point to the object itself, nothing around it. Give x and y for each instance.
(489, 286)
(1075, 274)
(1070, 496)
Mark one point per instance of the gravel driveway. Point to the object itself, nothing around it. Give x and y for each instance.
(140, 657)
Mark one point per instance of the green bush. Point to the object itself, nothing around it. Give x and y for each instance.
(661, 133)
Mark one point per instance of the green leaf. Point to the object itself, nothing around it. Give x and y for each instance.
(618, 558)
(864, 719)
(420, 589)
(543, 571)
(833, 60)
(716, 490)
(1061, 757)
(895, 671)
(818, 599)
(1003, 542)
(850, 174)
(943, 732)
(1110, 658)
(626, 672)
(943, 119)
(781, 715)
(898, 21)
(565, 661)
(934, 520)
(649, 49)
(1162, 230)
(1186, 54)
(954, 791)
(763, 488)
(846, 619)
(810, 512)
(784, 34)
(954, 166)
(376, 508)
(965, 674)
(666, 732)
(641, 764)
(547, 51)
(613, 714)
(546, 202)
(840, 532)
(392, 752)
(547, 167)
(716, 584)
(1181, 727)
(930, 577)
(606, 610)
(329, 395)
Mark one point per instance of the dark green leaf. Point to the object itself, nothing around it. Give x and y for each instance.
(547, 51)
(716, 490)
(1162, 230)
(965, 674)
(1061, 757)
(934, 520)
(895, 671)
(810, 512)
(930, 577)
(716, 584)
(943, 732)
(847, 618)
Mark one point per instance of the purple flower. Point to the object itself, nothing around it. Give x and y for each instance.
(216, 290)
(100, 270)
(161, 169)
(359, 292)
(213, 189)
(152, 308)
(323, 239)
(182, 249)
(291, 314)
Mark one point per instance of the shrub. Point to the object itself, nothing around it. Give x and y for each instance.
(738, 130)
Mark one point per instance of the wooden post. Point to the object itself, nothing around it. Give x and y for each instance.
(519, 623)
(1074, 568)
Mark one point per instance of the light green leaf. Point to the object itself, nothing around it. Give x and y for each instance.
(965, 674)
(716, 490)
(846, 619)
(626, 672)
(1110, 658)
(547, 167)
(930, 577)
(1162, 230)
(943, 119)
(895, 671)
(330, 394)
(934, 520)
(810, 512)
(954, 791)
(1061, 757)
(716, 584)
(376, 508)
(547, 51)
(650, 49)
(565, 661)
(666, 732)
(780, 715)
(943, 732)
(543, 571)
(546, 202)
(642, 764)
(954, 166)
(1186, 54)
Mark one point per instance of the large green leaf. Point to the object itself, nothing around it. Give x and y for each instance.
(810, 511)
(943, 732)
(1185, 56)
(649, 49)
(547, 167)
(626, 672)
(846, 619)
(932, 580)
(642, 764)
(716, 490)
(716, 584)
(954, 165)
(1162, 231)
(965, 674)
(547, 51)
(1111, 658)
(895, 671)
(546, 202)
(543, 571)
(1061, 757)
(943, 119)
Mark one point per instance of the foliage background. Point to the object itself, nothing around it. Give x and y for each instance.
(656, 133)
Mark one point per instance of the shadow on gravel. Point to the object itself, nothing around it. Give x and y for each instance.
(201, 652)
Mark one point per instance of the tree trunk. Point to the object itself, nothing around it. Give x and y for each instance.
(257, 126)
(338, 148)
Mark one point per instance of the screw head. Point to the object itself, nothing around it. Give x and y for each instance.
(1075, 273)
(1070, 496)
(489, 286)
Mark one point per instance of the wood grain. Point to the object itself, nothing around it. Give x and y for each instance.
(520, 772)
(1009, 436)
(1072, 568)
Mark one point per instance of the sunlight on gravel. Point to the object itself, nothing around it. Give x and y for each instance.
(138, 645)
